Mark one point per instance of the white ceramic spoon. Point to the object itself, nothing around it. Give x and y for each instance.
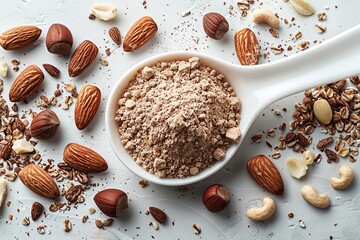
(256, 86)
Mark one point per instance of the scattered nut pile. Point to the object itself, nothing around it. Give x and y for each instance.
(178, 118)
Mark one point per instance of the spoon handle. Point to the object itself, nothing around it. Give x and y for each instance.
(332, 60)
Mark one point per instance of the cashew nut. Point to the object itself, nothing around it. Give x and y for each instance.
(315, 199)
(265, 16)
(346, 176)
(264, 212)
(2, 191)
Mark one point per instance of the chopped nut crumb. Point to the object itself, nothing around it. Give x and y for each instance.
(196, 229)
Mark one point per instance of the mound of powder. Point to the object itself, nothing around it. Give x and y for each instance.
(178, 118)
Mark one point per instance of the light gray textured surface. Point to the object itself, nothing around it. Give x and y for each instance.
(341, 220)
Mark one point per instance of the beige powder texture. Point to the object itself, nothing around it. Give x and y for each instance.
(178, 118)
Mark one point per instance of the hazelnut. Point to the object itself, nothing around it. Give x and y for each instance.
(216, 198)
(59, 39)
(44, 125)
(215, 25)
(111, 202)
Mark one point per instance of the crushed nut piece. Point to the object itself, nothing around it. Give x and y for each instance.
(321, 16)
(302, 224)
(67, 226)
(26, 221)
(196, 229)
(320, 28)
(154, 225)
(41, 228)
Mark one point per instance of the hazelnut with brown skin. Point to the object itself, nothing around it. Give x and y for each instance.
(59, 39)
(216, 198)
(215, 25)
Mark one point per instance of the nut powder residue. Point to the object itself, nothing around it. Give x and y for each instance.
(178, 118)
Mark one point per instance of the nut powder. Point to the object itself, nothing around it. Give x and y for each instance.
(178, 118)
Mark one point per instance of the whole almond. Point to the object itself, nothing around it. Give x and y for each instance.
(115, 35)
(39, 181)
(82, 58)
(265, 173)
(19, 37)
(139, 33)
(87, 105)
(84, 159)
(52, 70)
(247, 47)
(26, 83)
(158, 214)
(215, 25)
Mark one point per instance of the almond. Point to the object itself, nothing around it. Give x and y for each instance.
(265, 173)
(139, 33)
(115, 35)
(82, 58)
(52, 70)
(158, 214)
(39, 181)
(44, 125)
(247, 47)
(26, 83)
(84, 159)
(19, 37)
(87, 105)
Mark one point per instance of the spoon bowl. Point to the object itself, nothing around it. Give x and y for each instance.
(256, 87)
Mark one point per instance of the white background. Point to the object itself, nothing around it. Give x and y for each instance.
(175, 32)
